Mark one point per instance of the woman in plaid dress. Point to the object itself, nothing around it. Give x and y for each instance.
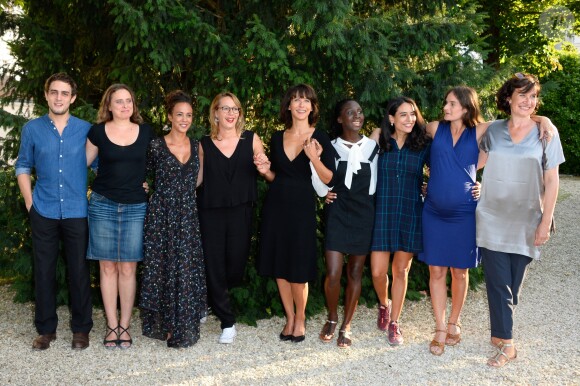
(397, 229)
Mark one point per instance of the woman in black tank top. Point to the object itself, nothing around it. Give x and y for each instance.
(226, 199)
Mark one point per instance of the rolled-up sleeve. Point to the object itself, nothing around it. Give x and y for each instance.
(25, 160)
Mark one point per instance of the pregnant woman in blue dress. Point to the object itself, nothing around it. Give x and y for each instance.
(449, 211)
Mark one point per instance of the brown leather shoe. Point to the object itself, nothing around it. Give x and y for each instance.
(42, 342)
(80, 340)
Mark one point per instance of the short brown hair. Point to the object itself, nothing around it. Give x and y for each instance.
(63, 77)
(104, 115)
(304, 91)
(520, 80)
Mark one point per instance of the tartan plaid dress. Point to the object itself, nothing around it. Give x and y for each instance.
(399, 204)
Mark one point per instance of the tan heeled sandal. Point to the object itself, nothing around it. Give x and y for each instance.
(453, 339)
(495, 361)
(435, 344)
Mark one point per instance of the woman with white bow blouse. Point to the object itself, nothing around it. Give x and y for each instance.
(349, 218)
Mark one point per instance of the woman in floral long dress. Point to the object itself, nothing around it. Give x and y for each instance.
(173, 293)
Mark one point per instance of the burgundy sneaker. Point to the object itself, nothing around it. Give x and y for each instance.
(395, 335)
(384, 316)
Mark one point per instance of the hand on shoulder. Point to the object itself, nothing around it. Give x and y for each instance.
(375, 135)
(432, 128)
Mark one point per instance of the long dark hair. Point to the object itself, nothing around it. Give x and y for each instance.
(468, 99)
(416, 140)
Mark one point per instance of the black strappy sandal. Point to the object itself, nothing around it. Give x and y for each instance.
(121, 341)
(107, 342)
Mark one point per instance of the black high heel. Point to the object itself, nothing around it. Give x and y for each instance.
(285, 338)
(298, 339)
(121, 341)
(108, 341)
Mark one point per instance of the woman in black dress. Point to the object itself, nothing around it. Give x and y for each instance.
(288, 233)
(349, 218)
(173, 290)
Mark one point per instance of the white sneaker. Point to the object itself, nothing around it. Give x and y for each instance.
(228, 335)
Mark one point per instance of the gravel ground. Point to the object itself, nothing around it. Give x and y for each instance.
(546, 326)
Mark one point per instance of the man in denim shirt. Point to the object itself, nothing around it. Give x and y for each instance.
(54, 145)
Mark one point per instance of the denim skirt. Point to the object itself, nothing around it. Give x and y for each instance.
(115, 230)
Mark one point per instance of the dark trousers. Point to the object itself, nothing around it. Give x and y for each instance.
(46, 236)
(504, 275)
(226, 235)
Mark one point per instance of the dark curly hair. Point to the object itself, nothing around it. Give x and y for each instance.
(335, 127)
(416, 140)
(519, 81)
(302, 91)
(175, 97)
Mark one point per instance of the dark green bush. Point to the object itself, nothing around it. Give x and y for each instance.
(255, 55)
(257, 298)
(15, 243)
(561, 103)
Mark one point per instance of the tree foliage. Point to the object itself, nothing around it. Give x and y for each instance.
(371, 50)
(561, 102)
(525, 33)
(362, 48)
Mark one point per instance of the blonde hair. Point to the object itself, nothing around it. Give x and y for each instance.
(212, 118)
(105, 115)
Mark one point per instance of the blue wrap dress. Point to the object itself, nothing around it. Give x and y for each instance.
(449, 210)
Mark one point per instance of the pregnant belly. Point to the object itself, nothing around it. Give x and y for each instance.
(451, 198)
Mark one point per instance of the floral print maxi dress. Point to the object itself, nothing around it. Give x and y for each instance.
(173, 290)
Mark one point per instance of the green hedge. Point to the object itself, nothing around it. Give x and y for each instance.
(256, 299)
(561, 103)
